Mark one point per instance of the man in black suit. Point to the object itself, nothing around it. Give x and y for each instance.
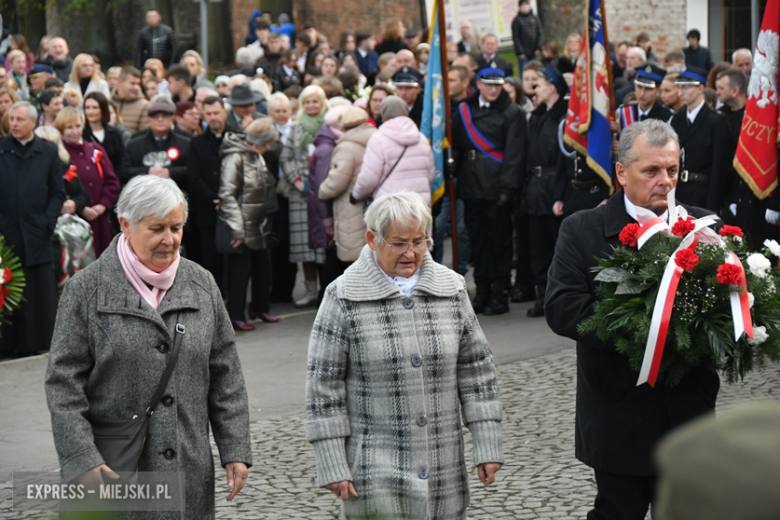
(489, 57)
(695, 54)
(205, 166)
(705, 145)
(617, 422)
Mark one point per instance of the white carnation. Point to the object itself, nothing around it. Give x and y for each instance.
(751, 300)
(759, 336)
(2, 276)
(759, 264)
(773, 247)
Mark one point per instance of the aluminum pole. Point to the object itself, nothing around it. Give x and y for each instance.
(755, 23)
(204, 36)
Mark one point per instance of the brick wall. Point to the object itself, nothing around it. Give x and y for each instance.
(663, 20)
(240, 13)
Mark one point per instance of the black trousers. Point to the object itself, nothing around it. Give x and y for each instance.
(542, 233)
(32, 325)
(622, 497)
(283, 273)
(208, 257)
(523, 277)
(490, 233)
(254, 264)
(331, 269)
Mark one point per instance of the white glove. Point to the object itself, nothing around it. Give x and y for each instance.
(733, 209)
(772, 216)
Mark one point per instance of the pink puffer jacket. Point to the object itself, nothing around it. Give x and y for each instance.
(414, 172)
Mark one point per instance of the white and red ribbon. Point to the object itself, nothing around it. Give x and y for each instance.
(650, 225)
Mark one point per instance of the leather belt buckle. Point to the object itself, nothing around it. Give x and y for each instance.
(536, 170)
(684, 176)
(472, 155)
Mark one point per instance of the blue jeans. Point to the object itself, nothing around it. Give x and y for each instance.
(443, 225)
(521, 66)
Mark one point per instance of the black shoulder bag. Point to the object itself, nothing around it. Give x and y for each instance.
(121, 441)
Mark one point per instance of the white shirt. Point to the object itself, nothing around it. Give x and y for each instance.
(362, 53)
(288, 71)
(644, 113)
(302, 61)
(405, 285)
(284, 130)
(99, 134)
(631, 209)
(693, 113)
(483, 104)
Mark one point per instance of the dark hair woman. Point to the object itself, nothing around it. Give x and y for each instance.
(392, 38)
(98, 130)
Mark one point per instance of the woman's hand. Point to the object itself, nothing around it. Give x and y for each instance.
(90, 213)
(237, 242)
(236, 477)
(94, 477)
(557, 208)
(487, 472)
(101, 209)
(343, 489)
(329, 230)
(298, 185)
(68, 207)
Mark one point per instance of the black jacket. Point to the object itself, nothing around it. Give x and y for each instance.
(415, 114)
(283, 81)
(617, 423)
(527, 34)
(391, 46)
(543, 180)
(62, 69)
(706, 145)
(503, 124)
(156, 42)
(113, 143)
(584, 188)
(699, 57)
(31, 197)
(74, 189)
(501, 63)
(205, 164)
(145, 143)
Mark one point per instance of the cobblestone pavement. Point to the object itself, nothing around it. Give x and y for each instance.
(541, 478)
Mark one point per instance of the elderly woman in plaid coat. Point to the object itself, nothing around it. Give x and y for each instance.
(396, 356)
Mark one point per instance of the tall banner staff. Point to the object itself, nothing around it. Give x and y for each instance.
(592, 104)
(435, 124)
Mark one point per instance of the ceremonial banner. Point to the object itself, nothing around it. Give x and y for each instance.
(756, 158)
(434, 116)
(587, 123)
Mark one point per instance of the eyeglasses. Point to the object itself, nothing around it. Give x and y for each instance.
(399, 248)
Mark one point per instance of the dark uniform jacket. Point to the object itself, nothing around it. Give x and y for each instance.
(504, 125)
(500, 62)
(706, 145)
(584, 188)
(145, 143)
(205, 165)
(543, 183)
(617, 423)
(415, 114)
(156, 42)
(31, 197)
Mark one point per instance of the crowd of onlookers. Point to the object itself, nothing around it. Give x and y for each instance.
(359, 100)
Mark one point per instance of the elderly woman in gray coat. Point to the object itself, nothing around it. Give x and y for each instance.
(112, 341)
(396, 356)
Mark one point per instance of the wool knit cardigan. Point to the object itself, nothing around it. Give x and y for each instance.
(388, 377)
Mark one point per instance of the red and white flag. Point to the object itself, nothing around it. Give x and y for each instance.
(756, 158)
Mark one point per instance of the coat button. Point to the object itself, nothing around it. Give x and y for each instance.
(422, 420)
(169, 454)
(167, 400)
(416, 361)
(408, 303)
(163, 347)
(422, 473)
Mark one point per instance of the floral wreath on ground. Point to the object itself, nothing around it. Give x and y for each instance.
(11, 281)
(674, 298)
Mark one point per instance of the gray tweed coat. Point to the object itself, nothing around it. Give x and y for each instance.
(109, 351)
(388, 378)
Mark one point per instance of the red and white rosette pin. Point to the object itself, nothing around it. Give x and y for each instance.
(173, 153)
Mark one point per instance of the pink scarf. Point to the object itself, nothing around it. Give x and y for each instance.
(140, 276)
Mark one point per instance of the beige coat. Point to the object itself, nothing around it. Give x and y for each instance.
(349, 228)
(132, 111)
(244, 186)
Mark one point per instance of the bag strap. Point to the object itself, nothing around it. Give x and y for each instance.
(391, 170)
(178, 337)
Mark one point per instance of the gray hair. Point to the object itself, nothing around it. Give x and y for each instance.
(245, 56)
(210, 91)
(740, 51)
(405, 209)
(149, 196)
(656, 134)
(640, 51)
(31, 112)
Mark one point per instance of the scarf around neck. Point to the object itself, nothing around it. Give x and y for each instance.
(310, 125)
(140, 276)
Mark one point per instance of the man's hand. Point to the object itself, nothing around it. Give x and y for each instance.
(94, 477)
(521, 56)
(615, 148)
(236, 477)
(216, 204)
(247, 120)
(557, 208)
(342, 489)
(236, 243)
(614, 126)
(299, 185)
(160, 172)
(68, 207)
(537, 53)
(487, 472)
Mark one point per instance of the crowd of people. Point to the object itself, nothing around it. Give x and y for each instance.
(280, 155)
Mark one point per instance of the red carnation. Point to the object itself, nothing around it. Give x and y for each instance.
(683, 227)
(686, 259)
(7, 275)
(629, 235)
(730, 230)
(3, 295)
(729, 274)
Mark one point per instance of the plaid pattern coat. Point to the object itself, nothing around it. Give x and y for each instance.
(388, 377)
